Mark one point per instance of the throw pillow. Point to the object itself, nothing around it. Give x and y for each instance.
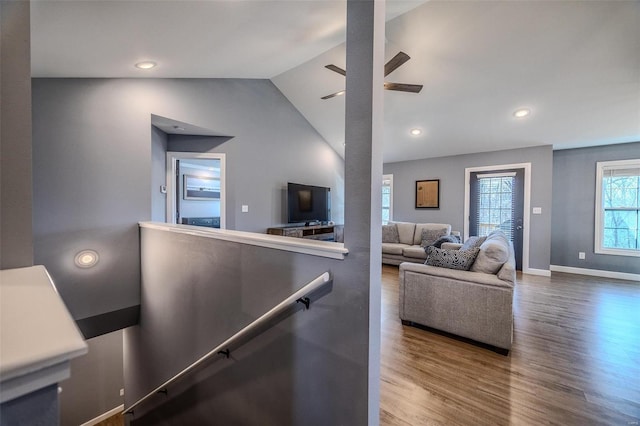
(390, 234)
(445, 239)
(473, 242)
(430, 236)
(494, 252)
(451, 259)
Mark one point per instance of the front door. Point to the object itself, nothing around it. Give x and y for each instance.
(496, 201)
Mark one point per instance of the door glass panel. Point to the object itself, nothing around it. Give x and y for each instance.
(495, 209)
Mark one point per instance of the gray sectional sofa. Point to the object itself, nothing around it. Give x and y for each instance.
(476, 304)
(406, 246)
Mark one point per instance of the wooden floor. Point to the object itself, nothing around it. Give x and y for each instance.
(116, 420)
(575, 360)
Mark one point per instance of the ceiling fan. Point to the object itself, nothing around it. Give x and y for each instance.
(393, 64)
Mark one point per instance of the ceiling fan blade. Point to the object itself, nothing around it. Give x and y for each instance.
(402, 87)
(336, 69)
(333, 95)
(395, 62)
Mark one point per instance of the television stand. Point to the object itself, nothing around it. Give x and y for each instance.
(311, 232)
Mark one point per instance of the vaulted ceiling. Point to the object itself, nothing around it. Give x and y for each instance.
(574, 64)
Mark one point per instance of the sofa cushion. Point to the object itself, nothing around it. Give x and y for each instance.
(494, 252)
(451, 259)
(393, 248)
(405, 232)
(390, 233)
(416, 252)
(443, 228)
(508, 271)
(473, 242)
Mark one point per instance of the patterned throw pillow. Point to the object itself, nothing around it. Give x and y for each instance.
(430, 236)
(390, 233)
(451, 259)
(473, 242)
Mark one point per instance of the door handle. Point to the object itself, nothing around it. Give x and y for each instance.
(519, 227)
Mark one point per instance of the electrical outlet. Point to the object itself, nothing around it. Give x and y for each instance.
(245, 208)
(581, 255)
(121, 392)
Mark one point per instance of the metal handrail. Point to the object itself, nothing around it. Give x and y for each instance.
(300, 296)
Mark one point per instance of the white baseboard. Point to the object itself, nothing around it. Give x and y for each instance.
(104, 416)
(540, 272)
(596, 273)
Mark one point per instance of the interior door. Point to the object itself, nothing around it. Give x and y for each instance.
(202, 176)
(497, 202)
(178, 192)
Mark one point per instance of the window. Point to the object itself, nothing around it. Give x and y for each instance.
(387, 198)
(495, 203)
(618, 207)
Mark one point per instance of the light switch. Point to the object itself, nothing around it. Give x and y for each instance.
(245, 208)
(537, 210)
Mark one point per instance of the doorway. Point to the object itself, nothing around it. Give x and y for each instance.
(497, 198)
(196, 189)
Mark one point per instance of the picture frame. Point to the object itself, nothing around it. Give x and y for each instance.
(200, 188)
(428, 194)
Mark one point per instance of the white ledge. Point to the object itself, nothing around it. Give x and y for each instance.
(297, 245)
(38, 335)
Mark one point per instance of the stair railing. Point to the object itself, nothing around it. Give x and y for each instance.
(267, 320)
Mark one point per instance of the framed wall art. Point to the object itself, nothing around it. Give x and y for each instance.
(428, 194)
(201, 188)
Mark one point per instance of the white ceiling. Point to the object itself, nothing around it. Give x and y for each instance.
(575, 64)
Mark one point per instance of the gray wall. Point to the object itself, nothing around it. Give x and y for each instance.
(257, 175)
(573, 219)
(16, 246)
(95, 382)
(450, 171)
(36, 408)
(317, 367)
(159, 142)
(92, 150)
(309, 369)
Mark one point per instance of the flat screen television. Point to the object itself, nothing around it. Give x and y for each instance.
(308, 203)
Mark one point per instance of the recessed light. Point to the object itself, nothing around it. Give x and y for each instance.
(181, 129)
(146, 65)
(416, 132)
(521, 113)
(86, 258)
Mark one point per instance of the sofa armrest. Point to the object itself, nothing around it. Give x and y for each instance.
(451, 246)
(466, 276)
